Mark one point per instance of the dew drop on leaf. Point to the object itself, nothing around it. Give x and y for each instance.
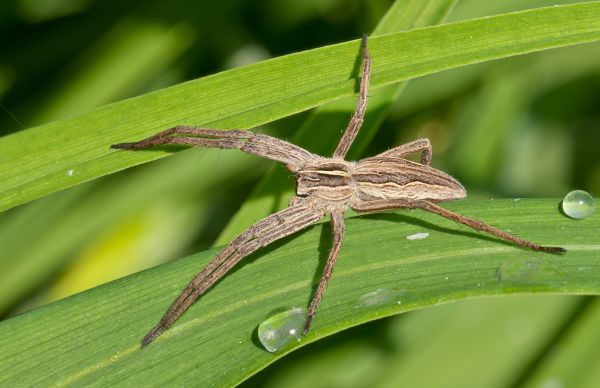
(378, 297)
(578, 204)
(281, 328)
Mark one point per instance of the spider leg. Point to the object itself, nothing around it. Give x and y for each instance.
(337, 224)
(419, 145)
(356, 120)
(264, 232)
(254, 143)
(381, 205)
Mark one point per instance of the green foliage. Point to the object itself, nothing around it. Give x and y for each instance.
(519, 126)
(61, 154)
(94, 337)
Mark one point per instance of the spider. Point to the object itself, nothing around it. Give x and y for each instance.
(324, 186)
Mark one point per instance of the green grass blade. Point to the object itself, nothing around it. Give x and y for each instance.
(94, 336)
(480, 342)
(36, 162)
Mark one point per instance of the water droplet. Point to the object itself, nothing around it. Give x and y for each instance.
(378, 297)
(532, 271)
(552, 383)
(417, 236)
(70, 172)
(281, 328)
(578, 204)
(517, 271)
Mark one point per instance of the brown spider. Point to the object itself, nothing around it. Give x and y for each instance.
(324, 186)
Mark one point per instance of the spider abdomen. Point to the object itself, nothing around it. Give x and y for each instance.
(394, 178)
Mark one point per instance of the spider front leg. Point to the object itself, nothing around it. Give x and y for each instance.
(357, 120)
(382, 205)
(337, 225)
(254, 143)
(264, 232)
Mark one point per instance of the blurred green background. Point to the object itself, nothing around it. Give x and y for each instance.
(520, 127)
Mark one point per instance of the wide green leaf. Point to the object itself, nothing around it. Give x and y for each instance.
(94, 336)
(483, 342)
(51, 157)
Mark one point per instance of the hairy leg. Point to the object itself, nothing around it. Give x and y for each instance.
(382, 205)
(356, 120)
(264, 232)
(419, 145)
(337, 224)
(254, 143)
